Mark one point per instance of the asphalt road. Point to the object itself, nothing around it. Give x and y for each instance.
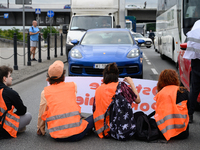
(30, 91)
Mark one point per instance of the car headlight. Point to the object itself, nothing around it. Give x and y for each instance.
(133, 53)
(75, 53)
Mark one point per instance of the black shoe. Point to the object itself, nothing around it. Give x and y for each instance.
(33, 59)
(190, 118)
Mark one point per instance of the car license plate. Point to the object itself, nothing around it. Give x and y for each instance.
(148, 43)
(100, 66)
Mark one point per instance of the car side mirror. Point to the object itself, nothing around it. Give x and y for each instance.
(65, 29)
(140, 41)
(75, 42)
(183, 46)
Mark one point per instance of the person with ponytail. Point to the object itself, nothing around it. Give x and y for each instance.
(105, 93)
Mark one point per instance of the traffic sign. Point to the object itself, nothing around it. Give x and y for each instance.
(6, 15)
(37, 11)
(50, 13)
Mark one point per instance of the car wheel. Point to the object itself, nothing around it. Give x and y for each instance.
(148, 46)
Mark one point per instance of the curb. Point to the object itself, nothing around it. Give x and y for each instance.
(23, 77)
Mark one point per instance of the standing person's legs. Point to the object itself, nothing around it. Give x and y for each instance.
(31, 51)
(195, 87)
(24, 120)
(34, 48)
(33, 45)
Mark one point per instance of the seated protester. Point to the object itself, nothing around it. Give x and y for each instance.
(11, 122)
(58, 108)
(171, 111)
(105, 92)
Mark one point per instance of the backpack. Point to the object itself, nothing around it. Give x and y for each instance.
(146, 127)
(122, 123)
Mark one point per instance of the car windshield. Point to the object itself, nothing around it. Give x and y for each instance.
(107, 37)
(90, 22)
(138, 36)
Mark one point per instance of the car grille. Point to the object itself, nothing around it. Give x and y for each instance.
(98, 71)
(76, 69)
(132, 70)
(91, 70)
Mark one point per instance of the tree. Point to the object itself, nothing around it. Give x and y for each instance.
(47, 30)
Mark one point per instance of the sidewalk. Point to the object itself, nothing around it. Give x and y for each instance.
(25, 72)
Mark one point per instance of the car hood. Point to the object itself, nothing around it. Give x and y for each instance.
(106, 51)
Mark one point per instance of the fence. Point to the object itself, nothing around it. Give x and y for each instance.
(54, 41)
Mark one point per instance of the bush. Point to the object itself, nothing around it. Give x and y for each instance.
(47, 30)
(8, 34)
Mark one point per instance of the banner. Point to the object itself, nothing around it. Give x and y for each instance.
(86, 87)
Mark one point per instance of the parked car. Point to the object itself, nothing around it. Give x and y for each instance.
(148, 41)
(184, 68)
(99, 47)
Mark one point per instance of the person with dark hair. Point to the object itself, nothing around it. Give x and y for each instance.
(105, 92)
(59, 109)
(151, 36)
(11, 122)
(171, 110)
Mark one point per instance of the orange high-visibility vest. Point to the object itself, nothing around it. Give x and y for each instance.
(11, 123)
(103, 98)
(63, 113)
(171, 118)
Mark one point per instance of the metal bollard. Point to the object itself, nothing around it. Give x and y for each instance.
(55, 45)
(61, 44)
(39, 49)
(15, 52)
(48, 47)
(29, 52)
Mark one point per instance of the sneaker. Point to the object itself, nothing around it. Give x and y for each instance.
(33, 59)
(190, 118)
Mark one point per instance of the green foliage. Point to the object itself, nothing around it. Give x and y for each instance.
(8, 34)
(47, 30)
(151, 26)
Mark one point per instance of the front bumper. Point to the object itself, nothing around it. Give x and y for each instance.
(127, 70)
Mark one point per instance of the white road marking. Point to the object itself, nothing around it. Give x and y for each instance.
(154, 70)
(148, 63)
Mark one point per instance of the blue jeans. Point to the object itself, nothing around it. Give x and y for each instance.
(79, 136)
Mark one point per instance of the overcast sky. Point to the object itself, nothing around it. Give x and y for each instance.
(61, 3)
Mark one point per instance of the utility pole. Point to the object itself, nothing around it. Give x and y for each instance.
(7, 3)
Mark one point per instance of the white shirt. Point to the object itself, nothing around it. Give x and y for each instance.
(193, 43)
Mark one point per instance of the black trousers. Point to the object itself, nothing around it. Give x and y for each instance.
(195, 85)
